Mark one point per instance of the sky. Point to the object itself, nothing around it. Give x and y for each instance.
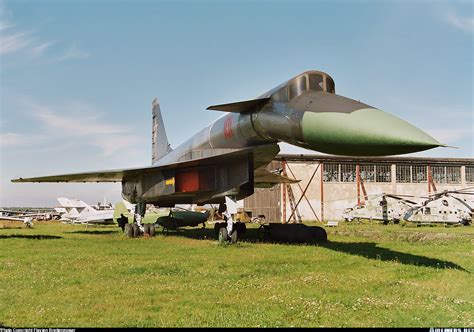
(77, 77)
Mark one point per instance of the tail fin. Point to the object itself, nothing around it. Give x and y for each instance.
(85, 206)
(159, 141)
(121, 208)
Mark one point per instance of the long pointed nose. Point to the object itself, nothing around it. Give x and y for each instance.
(363, 132)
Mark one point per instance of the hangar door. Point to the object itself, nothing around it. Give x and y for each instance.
(266, 201)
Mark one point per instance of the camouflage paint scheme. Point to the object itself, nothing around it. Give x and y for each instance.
(228, 157)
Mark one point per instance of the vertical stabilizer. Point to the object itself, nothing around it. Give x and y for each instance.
(159, 141)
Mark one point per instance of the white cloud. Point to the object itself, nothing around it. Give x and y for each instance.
(15, 40)
(4, 25)
(80, 124)
(72, 53)
(463, 23)
(74, 124)
(11, 43)
(40, 49)
(11, 139)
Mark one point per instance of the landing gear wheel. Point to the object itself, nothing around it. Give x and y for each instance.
(240, 228)
(146, 229)
(261, 233)
(233, 237)
(223, 235)
(136, 230)
(319, 234)
(128, 230)
(152, 230)
(217, 227)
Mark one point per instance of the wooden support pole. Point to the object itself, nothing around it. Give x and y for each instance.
(358, 183)
(283, 194)
(431, 183)
(429, 179)
(304, 192)
(322, 191)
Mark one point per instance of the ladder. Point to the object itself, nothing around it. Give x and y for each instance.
(292, 200)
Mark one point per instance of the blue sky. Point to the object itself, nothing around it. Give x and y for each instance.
(78, 77)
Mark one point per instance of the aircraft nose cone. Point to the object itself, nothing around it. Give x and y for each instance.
(364, 132)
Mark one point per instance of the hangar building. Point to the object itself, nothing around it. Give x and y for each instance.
(332, 184)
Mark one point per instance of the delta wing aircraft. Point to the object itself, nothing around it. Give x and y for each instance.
(228, 157)
(77, 211)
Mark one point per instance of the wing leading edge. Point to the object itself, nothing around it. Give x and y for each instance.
(262, 155)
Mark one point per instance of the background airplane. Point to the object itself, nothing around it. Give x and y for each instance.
(76, 211)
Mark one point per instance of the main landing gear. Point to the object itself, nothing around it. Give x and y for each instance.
(223, 235)
(134, 230)
(137, 229)
(228, 231)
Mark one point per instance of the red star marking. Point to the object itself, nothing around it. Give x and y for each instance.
(228, 133)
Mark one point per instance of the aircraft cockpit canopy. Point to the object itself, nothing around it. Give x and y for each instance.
(309, 81)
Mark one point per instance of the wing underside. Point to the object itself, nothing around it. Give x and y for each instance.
(261, 156)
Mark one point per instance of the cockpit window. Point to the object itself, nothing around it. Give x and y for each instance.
(313, 81)
(298, 86)
(329, 85)
(316, 82)
(281, 95)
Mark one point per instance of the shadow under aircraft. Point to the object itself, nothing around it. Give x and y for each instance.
(369, 250)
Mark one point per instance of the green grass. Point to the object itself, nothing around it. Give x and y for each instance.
(366, 275)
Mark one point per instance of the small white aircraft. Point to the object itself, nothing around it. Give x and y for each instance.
(78, 212)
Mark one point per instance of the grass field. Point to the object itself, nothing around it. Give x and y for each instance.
(366, 275)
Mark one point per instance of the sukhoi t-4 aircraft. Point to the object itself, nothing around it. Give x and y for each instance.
(228, 157)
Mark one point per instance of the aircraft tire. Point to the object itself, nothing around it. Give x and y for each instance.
(223, 235)
(241, 228)
(152, 230)
(128, 230)
(234, 236)
(319, 234)
(261, 233)
(136, 230)
(218, 226)
(146, 229)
